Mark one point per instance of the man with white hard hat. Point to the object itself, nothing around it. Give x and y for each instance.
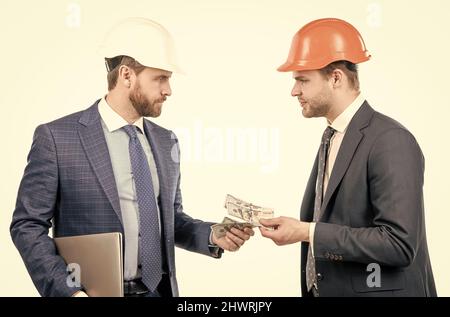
(108, 169)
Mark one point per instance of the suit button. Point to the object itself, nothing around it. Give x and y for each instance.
(319, 277)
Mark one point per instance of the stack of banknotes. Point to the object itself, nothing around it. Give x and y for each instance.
(247, 216)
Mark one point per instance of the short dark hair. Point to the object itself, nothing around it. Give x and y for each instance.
(113, 65)
(350, 69)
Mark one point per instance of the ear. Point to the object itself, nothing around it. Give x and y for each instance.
(337, 78)
(125, 76)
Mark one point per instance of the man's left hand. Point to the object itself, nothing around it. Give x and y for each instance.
(233, 239)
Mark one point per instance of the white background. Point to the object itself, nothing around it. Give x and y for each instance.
(230, 50)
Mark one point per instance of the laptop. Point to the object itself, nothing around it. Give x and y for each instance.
(100, 260)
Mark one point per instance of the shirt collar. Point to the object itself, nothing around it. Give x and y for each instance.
(342, 121)
(113, 120)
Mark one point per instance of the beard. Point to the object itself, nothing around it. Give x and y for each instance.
(143, 106)
(317, 106)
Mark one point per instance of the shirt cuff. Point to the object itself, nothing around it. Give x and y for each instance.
(214, 248)
(211, 244)
(312, 228)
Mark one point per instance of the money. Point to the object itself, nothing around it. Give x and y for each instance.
(246, 211)
(248, 216)
(220, 229)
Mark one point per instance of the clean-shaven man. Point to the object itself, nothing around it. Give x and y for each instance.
(362, 223)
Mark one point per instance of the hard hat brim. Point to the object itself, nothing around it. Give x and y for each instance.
(290, 66)
(144, 40)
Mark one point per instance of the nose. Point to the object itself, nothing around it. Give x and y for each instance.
(295, 90)
(167, 91)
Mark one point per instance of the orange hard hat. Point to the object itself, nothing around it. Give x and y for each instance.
(322, 42)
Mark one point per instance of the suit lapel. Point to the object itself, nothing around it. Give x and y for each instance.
(94, 144)
(352, 138)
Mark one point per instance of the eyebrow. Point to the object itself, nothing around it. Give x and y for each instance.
(300, 77)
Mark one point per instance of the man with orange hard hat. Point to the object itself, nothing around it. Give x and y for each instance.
(362, 225)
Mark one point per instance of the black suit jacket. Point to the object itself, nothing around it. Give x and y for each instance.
(372, 212)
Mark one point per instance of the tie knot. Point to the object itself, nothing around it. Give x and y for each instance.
(328, 133)
(131, 131)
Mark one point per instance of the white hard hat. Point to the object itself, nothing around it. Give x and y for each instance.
(146, 41)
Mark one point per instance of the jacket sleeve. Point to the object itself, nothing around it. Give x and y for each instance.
(395, 177)
(35, 207)
(191, 234)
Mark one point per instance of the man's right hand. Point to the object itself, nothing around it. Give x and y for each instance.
(287, 230)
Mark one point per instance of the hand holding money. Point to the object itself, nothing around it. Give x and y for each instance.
(220, 229)
(246, 211)
(235, 232)
(231, 235)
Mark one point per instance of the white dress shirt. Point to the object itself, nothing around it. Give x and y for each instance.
(340, 124)
(118, 142)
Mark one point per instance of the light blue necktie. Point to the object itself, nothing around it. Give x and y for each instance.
(150, 238)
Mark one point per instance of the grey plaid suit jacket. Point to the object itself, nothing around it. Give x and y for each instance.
(69, 181)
